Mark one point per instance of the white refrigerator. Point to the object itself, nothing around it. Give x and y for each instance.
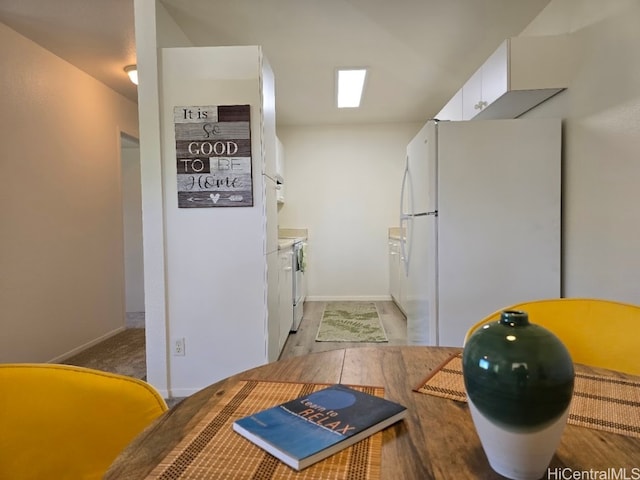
(481, 214)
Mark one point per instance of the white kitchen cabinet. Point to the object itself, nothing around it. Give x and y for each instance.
(522, 73)
(280, 170)
(285, 295)
(488, 83)
(394, 270)
(397, 279)
(471, 94)
(279, 159)
(271, 214)
(268, 119)
(453, 109)
(273, 306)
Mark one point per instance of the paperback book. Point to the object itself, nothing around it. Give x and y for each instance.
(308, 429)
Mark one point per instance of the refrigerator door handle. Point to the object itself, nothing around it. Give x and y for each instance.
(424, 214)
(404, 249)
(404, 219)
(404, 185)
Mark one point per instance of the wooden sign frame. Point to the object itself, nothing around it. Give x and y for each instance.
(213, 156)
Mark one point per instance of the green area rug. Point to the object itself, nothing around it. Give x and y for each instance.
(351, 322)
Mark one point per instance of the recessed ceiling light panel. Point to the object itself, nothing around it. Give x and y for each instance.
(350, 86)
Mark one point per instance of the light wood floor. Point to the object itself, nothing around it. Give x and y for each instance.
(303, 341)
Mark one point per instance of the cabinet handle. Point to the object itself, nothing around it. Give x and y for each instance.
(480, 105)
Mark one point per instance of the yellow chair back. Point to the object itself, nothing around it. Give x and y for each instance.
(65, 422)
(596, 332)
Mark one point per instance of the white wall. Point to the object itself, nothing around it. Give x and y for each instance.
(601, 111)
(61, 241)
(154, 28)
(215, 257)
(343, 185)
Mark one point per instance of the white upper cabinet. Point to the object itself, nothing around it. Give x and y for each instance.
(495, 75)
(522, 73)
(279, 160)
(280, 170)
(268, 119)
(453, 109)
(471, 94)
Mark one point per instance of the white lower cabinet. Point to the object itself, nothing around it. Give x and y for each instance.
(273, 306)
(394, 270)
(285, 295)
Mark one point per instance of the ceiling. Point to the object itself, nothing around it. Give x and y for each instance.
(419, 52)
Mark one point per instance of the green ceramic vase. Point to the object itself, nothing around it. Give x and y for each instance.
(519, 382)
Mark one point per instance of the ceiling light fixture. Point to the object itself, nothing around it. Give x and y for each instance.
(350, 85)
(132, 71)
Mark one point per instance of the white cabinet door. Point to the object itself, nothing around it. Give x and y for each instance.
(394, 270)
(472, 96)
(279, 159)
(520, 74)
(280, 170)
(268, 120)
(453, 109)
(273, 307)
(495, 75)
(271, 214)
(285, 294)
(487, 84)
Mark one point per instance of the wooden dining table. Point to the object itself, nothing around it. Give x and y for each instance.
(437, 439)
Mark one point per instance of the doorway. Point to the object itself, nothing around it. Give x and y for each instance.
(132, 227)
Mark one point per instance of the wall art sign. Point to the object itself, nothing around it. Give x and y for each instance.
(213, 156)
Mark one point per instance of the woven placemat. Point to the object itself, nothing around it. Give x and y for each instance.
(599, 402)
(213, 450)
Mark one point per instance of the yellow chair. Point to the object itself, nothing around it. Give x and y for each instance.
(596, 332)
(64, 422)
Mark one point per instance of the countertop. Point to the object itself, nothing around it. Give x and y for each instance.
(287, 242)
(288, 236)
(396, 233)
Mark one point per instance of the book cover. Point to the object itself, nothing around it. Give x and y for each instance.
(310, 428)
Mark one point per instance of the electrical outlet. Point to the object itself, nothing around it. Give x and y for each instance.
(178, 347)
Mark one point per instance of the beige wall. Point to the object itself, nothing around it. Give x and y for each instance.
(343, 184)
(601, 112)
(132, 213)
(61, 243)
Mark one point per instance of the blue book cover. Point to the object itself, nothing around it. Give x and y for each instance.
(305, 430)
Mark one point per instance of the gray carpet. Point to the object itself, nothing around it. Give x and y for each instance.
(124, 353)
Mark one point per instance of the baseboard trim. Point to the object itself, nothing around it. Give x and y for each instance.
(75, 351)
(349, 298)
